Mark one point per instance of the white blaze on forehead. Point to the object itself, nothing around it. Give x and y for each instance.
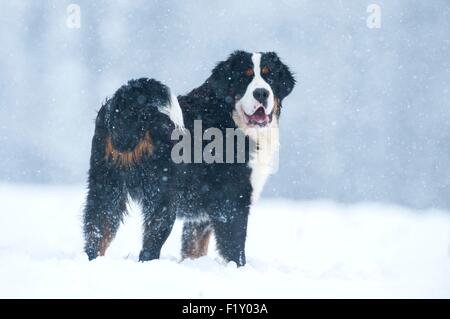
(248, 103)
(258, 81)
(256, 59)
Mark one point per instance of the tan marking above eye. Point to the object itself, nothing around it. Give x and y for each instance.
(265, 70)
(249, 72)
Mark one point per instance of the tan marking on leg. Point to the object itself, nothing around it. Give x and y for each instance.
(197, 244)
(104, 242)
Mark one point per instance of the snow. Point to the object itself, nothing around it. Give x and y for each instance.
(295, 249)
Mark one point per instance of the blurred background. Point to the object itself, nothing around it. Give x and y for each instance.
(368, 120)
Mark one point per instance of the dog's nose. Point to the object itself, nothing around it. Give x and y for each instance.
(261, 95)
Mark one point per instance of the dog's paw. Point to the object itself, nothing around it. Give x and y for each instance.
(91, 253)
(146, 255)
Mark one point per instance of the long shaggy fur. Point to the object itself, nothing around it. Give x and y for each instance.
(131, 156)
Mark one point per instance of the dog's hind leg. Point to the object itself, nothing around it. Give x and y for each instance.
(158, 222)
(195, 239)
(103, 213)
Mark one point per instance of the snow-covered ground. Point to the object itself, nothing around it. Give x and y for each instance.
(294, 250)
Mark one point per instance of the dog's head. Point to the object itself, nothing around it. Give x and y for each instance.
(252, 86)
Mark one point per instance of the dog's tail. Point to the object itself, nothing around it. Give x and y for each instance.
(138, 110)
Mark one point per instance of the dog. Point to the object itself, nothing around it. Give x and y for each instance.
(133, 149)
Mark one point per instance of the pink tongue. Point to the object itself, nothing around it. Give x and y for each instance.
(259, 116)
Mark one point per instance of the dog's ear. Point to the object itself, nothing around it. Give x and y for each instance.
(219, 78)
(285, 81)
(225, 73)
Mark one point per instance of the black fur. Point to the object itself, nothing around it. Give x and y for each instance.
(219, 193)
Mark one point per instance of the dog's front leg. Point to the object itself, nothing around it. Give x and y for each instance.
(230, 236)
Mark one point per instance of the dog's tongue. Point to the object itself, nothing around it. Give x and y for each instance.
(259, 116)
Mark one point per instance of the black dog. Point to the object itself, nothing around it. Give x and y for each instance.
(133, 154)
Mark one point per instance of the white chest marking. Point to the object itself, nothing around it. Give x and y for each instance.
(264, 161)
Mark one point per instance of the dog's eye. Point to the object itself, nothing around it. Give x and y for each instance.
(265, 70)
(249, 72)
